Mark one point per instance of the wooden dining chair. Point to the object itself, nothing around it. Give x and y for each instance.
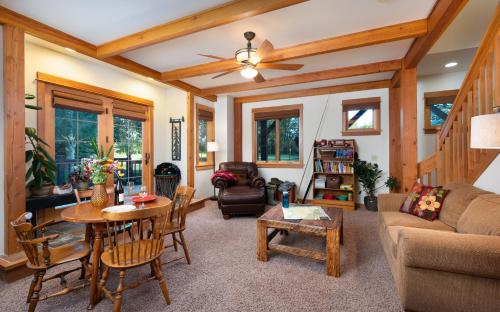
(146, 246)
(177, 218)
(42, 257)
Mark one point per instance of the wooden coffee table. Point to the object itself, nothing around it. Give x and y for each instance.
(331, 229)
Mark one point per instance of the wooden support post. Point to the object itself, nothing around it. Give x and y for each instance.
(408, 101)
(238, 132)
(14, 123)
(395, 134)
(190, 139)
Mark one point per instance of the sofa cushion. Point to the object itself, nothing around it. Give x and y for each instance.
(393, 232)
(482, 216)
(429, 202)
(390, 218)
(458, 199)
(242, 194)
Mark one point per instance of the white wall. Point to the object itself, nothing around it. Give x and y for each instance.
(370, 148)
(489, 179)
(1, 144)
(427, 142)
(224, 128)
(202, 182)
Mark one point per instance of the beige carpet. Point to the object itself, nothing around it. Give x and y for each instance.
(225, 275)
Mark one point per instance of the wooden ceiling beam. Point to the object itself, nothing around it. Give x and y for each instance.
(335, 73)
(355, 40)
(50, 34)
(379, 84)
(213, 17)
(441, 16)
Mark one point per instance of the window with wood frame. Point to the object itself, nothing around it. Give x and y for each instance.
(205, 132)
(361, 116)
(277, 136)
(73, 114)
(437, 107)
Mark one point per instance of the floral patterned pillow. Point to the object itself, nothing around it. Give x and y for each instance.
(425, 201)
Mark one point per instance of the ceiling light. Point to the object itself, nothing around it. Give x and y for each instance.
(249, 72)
(246, 55)
(451, 64)
(69, 50)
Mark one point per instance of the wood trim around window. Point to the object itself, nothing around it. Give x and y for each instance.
(435, 97)
(362, 103)
(46, 116)
(207, 111)
(274, 112)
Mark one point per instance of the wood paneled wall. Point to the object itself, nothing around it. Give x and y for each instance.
(14, 120)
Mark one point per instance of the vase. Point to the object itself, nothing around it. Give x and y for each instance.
(371, 203)
(99, 196)
(45, 190)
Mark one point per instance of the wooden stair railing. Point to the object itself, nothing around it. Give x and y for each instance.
(454, 160)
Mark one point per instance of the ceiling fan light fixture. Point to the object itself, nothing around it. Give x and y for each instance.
(247, 55)
(249, 72)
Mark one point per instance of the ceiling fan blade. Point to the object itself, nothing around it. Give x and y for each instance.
(213, 56)
(226, 72)
(265, 49)
(259, 78)
(280, 66)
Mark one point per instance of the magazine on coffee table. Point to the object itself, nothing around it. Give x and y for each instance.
(303, 212)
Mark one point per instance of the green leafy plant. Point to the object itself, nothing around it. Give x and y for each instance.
(99, 150)
(43, 167)
(42, 170)
(369, 174)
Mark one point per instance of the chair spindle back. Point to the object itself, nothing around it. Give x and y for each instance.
(180, 204)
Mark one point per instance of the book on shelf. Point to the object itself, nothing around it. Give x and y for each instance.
(331, 166)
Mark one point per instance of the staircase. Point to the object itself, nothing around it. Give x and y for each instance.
(454, 160)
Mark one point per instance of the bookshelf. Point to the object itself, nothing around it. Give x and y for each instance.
(333, 173)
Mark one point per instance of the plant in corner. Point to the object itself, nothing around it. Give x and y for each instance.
(368, 174)
(41, 174)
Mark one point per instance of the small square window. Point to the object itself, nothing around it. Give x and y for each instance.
(437, 107)
(361, 116)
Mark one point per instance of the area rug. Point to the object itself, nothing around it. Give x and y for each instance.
(226, 276)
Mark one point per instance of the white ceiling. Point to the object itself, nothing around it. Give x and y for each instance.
(433, 64)
(101, 21)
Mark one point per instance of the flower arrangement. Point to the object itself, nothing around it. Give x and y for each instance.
(79, 175)
(99, 169)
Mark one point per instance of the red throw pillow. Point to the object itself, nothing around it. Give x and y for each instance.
(424, 201)
(228, 176)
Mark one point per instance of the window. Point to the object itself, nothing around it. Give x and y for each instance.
(277, 136)
(437, 106)
(74, 130)
(361, 116)
(205, 132)
(74, 114)
(128, 149)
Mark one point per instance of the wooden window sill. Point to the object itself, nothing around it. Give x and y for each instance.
(431, 130)
(361, 132)
(207, 166)
(278, 164)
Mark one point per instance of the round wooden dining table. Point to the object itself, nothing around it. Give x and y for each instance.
(91, 216)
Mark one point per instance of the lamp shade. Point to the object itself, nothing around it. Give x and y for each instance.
(212, 147)
(485, 131)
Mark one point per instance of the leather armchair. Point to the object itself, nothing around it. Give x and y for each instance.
(247, 197)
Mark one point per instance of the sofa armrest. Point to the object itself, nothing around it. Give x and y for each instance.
(219, 183)
(258, 182)
(471, 254)
(390, 202)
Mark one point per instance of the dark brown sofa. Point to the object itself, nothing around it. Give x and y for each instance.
(247, 197)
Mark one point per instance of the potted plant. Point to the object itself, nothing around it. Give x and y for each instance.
(41, 174)
(368, 174)
(80, 178)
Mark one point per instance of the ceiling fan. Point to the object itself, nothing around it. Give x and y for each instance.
(249, 60)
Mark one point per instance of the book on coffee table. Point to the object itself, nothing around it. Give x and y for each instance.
(301, 212)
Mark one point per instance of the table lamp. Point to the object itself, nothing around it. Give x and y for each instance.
(485, 131)
(213, 147)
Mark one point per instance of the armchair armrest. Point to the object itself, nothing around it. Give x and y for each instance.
(471, 254)
(390, 202)
(219, 183)
(258, 182)
(43, 226)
